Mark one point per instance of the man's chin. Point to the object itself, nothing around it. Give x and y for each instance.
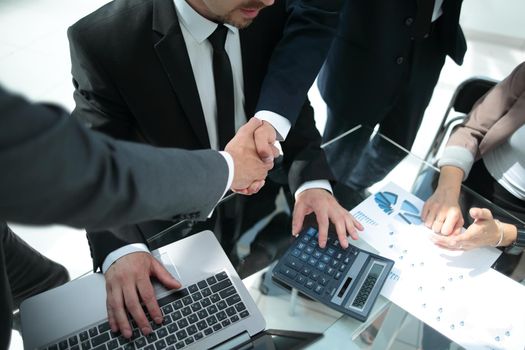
(239, 23)
(238, 19)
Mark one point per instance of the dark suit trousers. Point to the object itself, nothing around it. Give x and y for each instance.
(24, 272)
(368, 162)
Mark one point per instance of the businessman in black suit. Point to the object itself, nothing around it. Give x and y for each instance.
(382, 69)
(57, 171)
(136, 59)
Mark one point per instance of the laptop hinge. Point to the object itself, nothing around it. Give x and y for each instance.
(234, 342)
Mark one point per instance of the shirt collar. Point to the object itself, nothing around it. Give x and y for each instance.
(199, 27)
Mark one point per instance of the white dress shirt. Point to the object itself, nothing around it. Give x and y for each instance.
(438, 10)
(196, 29)
(506, 163)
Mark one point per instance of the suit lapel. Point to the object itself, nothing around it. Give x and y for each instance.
(173, 55)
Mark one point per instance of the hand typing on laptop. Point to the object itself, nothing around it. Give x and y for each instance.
(127, 284)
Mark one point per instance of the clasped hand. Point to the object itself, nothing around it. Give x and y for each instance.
(253, 151)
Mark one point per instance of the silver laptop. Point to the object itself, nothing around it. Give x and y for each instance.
(213, 309)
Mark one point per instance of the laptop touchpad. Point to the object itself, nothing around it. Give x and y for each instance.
(165, 259)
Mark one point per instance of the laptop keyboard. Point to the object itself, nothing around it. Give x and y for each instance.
(190, 315)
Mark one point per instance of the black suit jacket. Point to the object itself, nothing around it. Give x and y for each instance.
(134, 81)
(362, 72)
(54, 170)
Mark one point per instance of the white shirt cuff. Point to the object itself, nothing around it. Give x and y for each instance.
(231, 170)
(324, 184)
(231, 174)
(119, 253)
(280, 124)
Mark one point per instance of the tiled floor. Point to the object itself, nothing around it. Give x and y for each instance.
(34, 61)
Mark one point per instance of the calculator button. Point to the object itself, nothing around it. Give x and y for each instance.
(334, 264)
(338, 275)
(313, 243)
(342, 267)
(288, 272)
(347, 260)
(312, 261)
(330, 271)
(311, 231)
(330, 251)
(294, 264)
(321, 266)
(296, 252)
(323, 281)
(326, 259)
(300, 279)
(339, 256)
(305, 238)
(309, 250)
(318, 254)
(304, 257)
(318, 289)
(309, 284)
(306, 270)
(315, 276)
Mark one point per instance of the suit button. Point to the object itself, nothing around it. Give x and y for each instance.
(409, 21)
(400, 60)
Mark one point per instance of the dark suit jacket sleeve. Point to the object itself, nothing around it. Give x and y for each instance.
(298, 57)
(56, 171)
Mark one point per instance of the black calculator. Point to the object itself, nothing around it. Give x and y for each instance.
(347, 280)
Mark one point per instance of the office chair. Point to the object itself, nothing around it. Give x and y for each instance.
(460, 105)
(465, 95)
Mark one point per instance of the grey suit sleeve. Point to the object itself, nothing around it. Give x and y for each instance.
(56, 171)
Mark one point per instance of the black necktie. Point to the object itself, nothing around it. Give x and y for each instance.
(222, 73)
(423, 22)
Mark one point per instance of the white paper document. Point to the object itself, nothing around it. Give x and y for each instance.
(455, 292)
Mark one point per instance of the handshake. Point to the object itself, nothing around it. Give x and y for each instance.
(253, 151)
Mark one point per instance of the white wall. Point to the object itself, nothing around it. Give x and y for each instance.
(496, 18)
